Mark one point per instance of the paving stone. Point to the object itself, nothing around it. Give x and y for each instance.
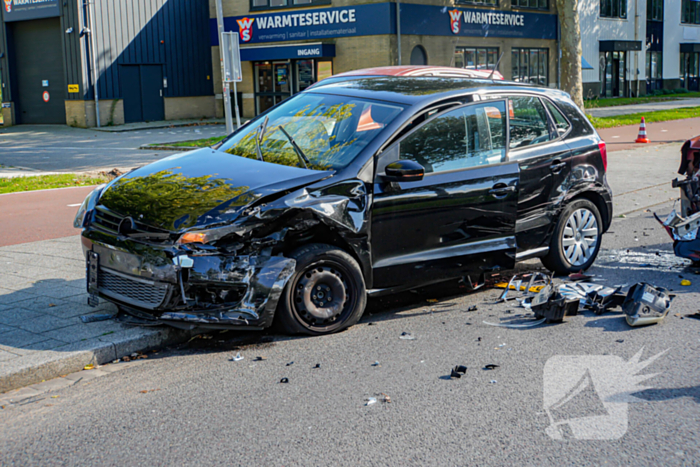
(5, 328)
(42, 304)
(49, 344)
(47, 322)
(15, 316)
(8, 296)
(62, 292)
(19, 338)
(5, 355)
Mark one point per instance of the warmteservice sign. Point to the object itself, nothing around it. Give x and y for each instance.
(19, 10)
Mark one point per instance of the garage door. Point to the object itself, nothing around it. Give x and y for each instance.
(38, 60)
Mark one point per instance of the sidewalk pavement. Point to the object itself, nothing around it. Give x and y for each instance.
(647, 107)
(162, 124)
(42, 296)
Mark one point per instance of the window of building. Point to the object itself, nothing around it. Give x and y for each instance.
(613, 8)
(655, 10)
(530, 66)
(690, 12)
(539, 4)
(690, 71)
(459, 139)
(653, 65)
(263, 4)
(479, 2)
(528, 122)
(613, 74)
(476, 58)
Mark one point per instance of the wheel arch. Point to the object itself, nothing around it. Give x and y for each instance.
(599, 202)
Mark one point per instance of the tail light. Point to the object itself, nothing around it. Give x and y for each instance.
(603, 154)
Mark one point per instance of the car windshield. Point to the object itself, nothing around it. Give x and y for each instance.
(329, 131)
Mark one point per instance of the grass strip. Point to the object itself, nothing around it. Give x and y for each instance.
(195, 143)
(45, 182)
(617, 101)
(650, 117)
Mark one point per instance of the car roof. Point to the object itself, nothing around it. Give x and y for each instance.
(413, 90)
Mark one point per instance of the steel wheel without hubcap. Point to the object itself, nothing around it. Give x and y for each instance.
(581, 236)
(321, 294)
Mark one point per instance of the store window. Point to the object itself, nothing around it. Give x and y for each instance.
(654, 70)
(263, 4)
(655, 10)
(476, 58)
(539, 4)
(613, 9)
(613, 74)
(479, 2)
(277, 80)
(690, 12)
(530, 66)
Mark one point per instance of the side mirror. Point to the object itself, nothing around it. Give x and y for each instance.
(404, 171)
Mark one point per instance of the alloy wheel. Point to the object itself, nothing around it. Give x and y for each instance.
(580, 238)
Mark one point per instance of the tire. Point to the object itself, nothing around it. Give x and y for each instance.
(326, 293)
(575, 228)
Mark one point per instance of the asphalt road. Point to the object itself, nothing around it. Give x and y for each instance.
(62, 148)
(193, 406)
(39, 215)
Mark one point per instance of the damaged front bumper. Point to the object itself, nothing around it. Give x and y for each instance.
(184, 289)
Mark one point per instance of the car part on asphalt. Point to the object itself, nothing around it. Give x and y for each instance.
(284, 380)
(490, 366)
(237, 358)
(646, 304)
(531, 324)
(407, 336)
(601, 301)
(370, 401)
(458, 371)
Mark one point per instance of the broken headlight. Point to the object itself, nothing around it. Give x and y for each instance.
(206, 236)
(87, 206)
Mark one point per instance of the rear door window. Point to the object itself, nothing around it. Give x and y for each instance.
(528, 122)
(466, 137)
(561, 124)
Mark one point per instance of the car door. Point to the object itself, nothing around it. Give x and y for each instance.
(460, 218)
(537, 145)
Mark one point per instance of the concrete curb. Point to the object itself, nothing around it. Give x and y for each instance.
(148, 147)
(155, 126)
(74, 357)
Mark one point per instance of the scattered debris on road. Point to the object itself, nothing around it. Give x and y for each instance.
(491, 366)
(97, 317)
(458, 371)
(646, 304)
(284, 380)
(407, 336)
(237, 358)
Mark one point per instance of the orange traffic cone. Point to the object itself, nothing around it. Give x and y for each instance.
(642, 137)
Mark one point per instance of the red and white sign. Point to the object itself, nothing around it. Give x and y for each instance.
(46, 96)
(455, 16)
(245, 28)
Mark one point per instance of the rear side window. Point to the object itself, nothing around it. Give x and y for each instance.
(467, 137)
(562, 124)
(528, 122)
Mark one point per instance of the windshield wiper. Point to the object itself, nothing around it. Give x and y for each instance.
(259, 136)
(302, 157)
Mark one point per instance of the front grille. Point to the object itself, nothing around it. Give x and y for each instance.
(135, 291)
(108, 221)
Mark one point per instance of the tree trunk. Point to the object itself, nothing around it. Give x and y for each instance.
(570, 42)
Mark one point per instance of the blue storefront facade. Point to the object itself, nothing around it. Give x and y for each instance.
(287, 45)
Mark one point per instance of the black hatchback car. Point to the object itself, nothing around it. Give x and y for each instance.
(351, 188)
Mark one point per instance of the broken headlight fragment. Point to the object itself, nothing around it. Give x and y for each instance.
(646, 304)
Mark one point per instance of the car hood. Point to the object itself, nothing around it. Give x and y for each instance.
(199, 188)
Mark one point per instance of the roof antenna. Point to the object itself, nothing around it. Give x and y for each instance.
(496, 66)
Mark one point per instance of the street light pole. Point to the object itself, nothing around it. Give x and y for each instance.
(224, 84)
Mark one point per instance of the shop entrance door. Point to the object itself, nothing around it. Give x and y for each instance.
(613, 74)
(689, 71)
(272, 84)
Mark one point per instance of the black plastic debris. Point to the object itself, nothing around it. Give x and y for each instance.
(478, 339)
(646, 304)
(472, 308)
(555, 308)
(694, 316)
(458, 371)
(620, 341)
(259, 359)
(577, 277)
(318, 365)
(284, 380)
(370, 324)
(491, 366)
(290, 364)
(601, 301)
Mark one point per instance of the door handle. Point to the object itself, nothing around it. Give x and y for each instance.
(501, 191)
(557, 166)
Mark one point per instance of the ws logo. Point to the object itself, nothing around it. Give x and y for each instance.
(245, 28)
(455, 16)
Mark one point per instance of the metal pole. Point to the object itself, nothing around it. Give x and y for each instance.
(398, 28)
(226, 96)
(235, 100)
(93, 55)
